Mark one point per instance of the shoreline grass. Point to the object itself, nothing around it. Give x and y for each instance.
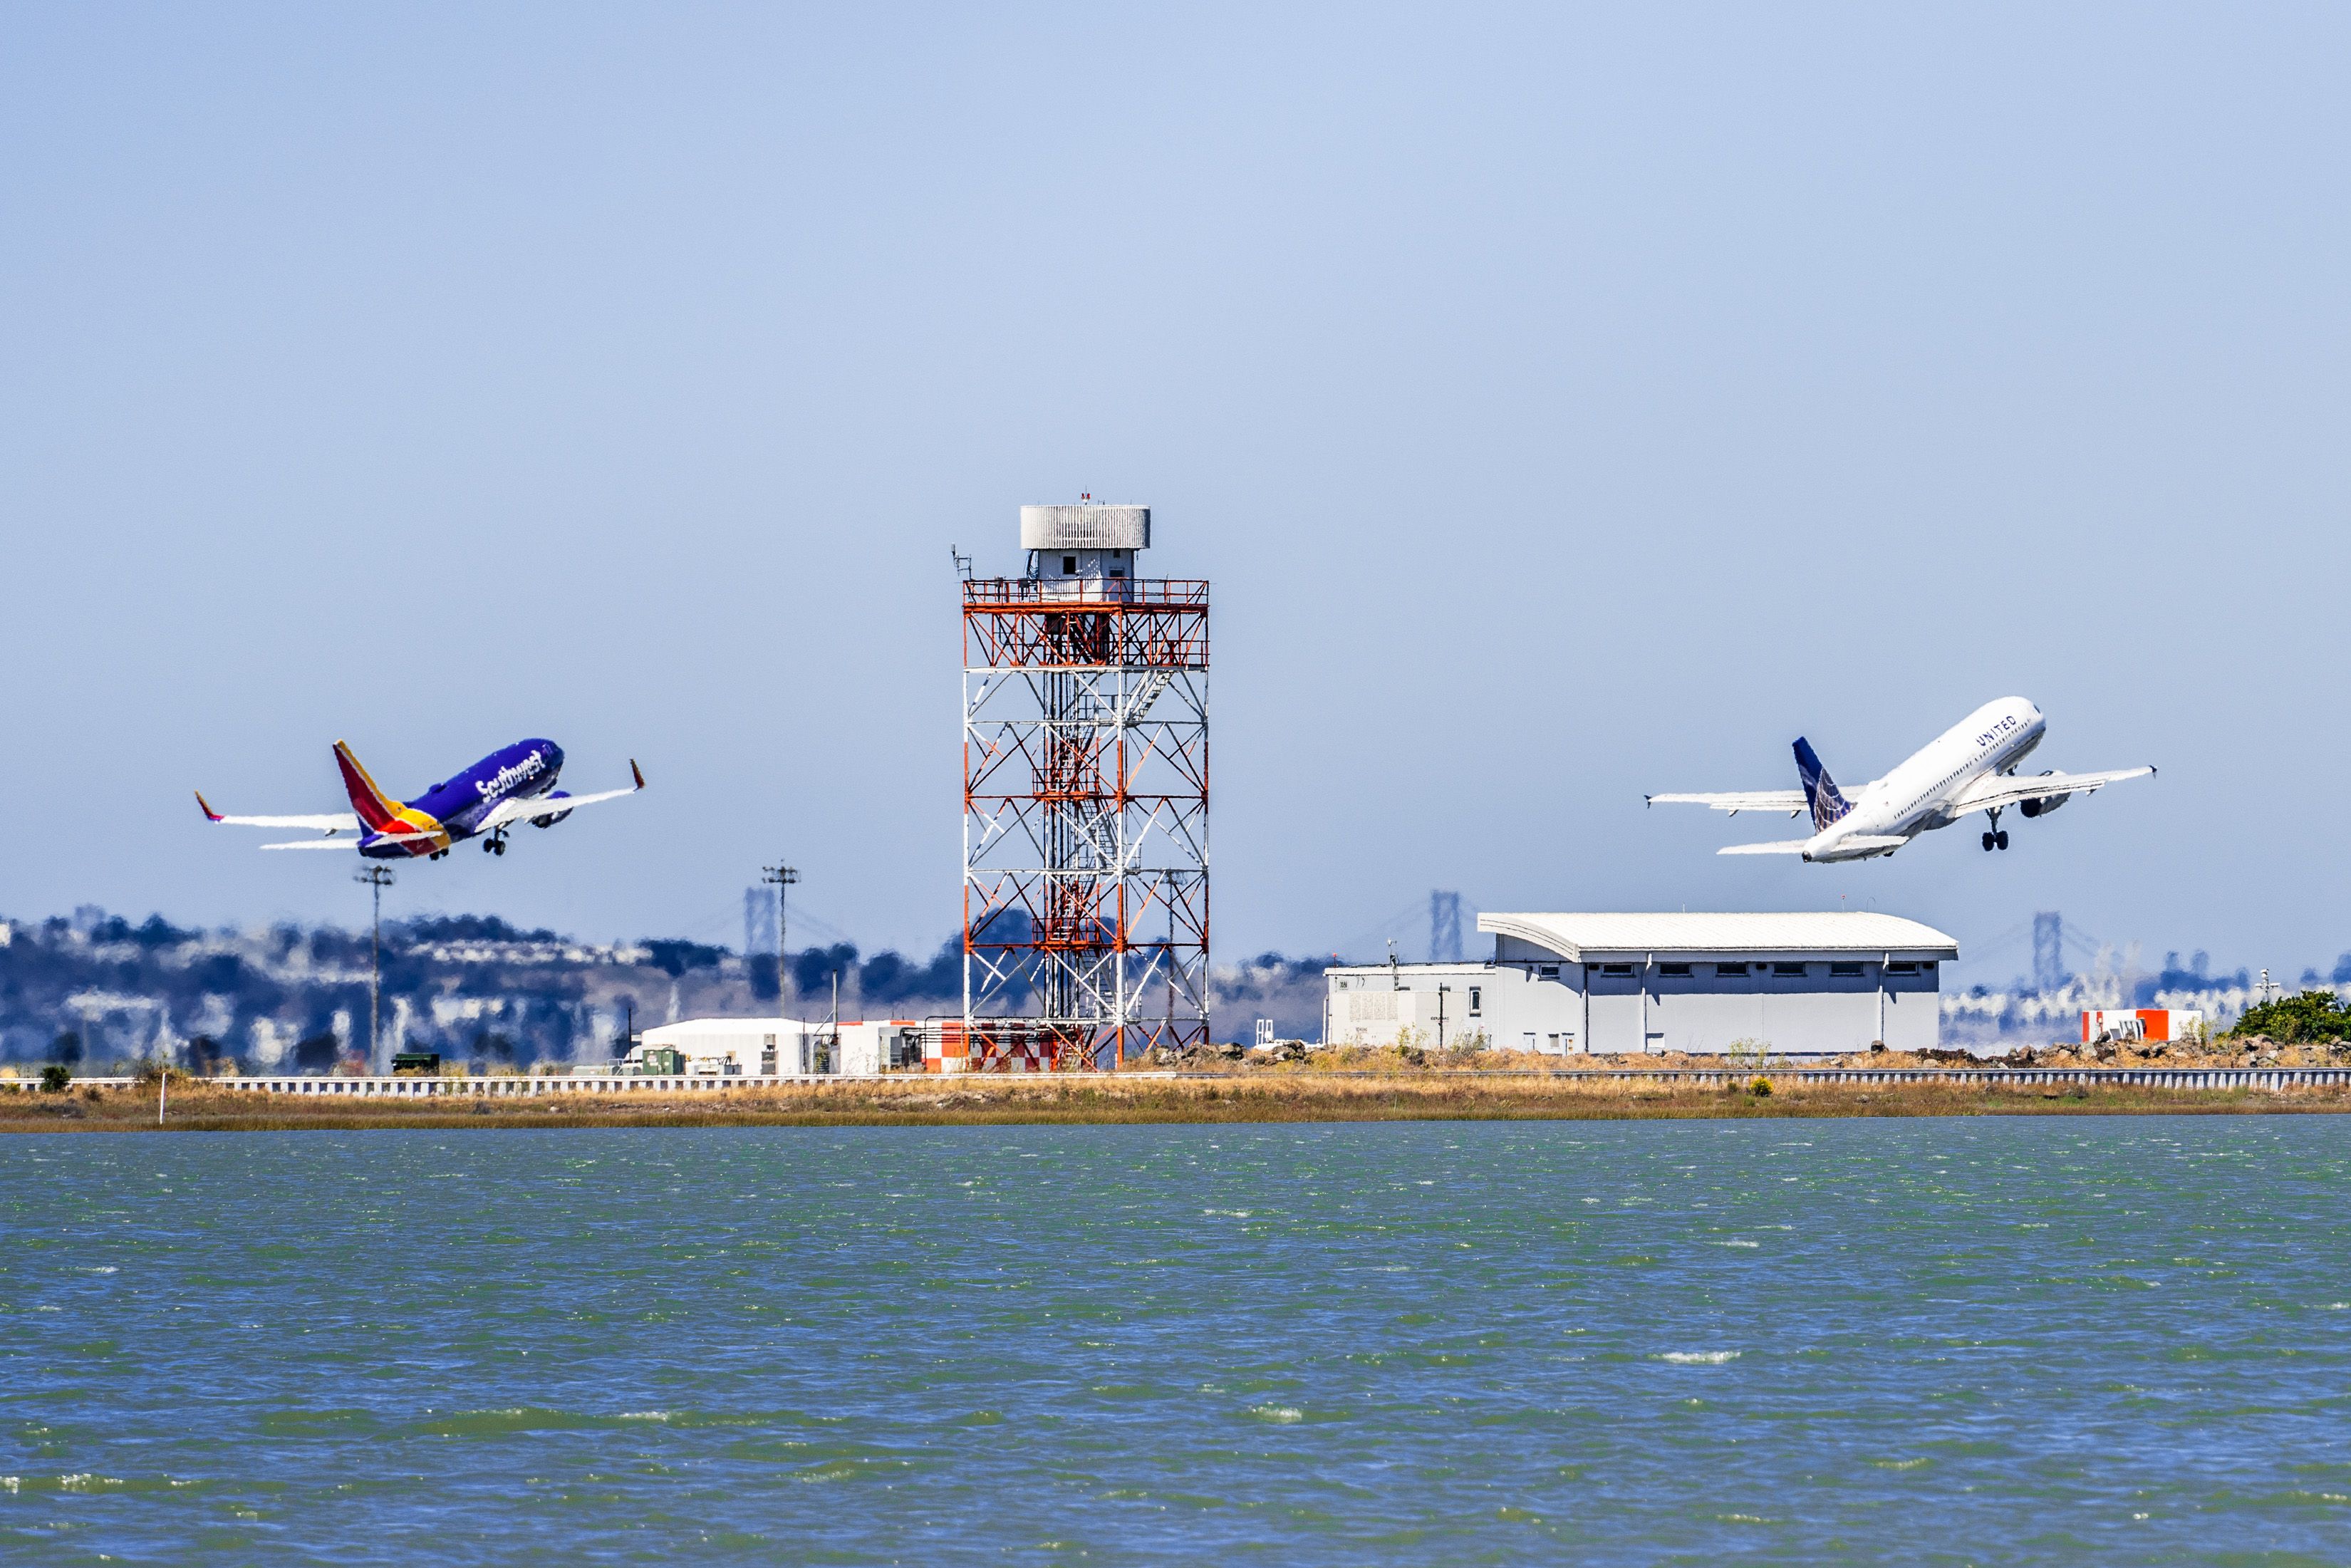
(1241, 1098)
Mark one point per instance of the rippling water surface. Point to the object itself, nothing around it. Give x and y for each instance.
(1966, 1339)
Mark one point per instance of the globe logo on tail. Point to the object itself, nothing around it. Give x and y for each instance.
(1820, 790)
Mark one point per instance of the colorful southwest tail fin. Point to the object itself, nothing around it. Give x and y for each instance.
(377, 811)
(1820, 790)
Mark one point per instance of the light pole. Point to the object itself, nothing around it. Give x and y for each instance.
(783, 876)
(378, 878)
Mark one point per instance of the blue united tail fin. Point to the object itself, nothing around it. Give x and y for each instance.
(1820, 790)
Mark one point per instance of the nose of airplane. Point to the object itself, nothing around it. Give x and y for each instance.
(554, 758)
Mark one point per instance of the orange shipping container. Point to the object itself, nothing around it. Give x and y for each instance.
(2150, 1024)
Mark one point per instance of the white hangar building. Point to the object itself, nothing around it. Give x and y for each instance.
(1626, 984)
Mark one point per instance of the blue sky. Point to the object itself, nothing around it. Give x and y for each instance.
(1566, 404)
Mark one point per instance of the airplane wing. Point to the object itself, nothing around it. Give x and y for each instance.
(1792, 802)
(2000, 789)
(325, 821)
(515, 808)
(1782, 847)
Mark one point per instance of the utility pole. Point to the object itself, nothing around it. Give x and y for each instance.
(378, 878)
(783, 876)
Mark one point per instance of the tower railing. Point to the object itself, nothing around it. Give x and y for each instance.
(991, 592)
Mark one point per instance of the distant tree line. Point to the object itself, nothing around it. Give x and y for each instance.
(102, 992)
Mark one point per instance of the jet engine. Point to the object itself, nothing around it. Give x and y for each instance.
(550, 819)
(2042, 805)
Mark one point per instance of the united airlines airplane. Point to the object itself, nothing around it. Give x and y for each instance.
(505, 788)
(1969, 767)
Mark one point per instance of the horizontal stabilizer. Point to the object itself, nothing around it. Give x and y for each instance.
(316, 844)
(1737, 800)
(1782, 847)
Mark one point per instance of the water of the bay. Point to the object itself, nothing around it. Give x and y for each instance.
(1982, 1340)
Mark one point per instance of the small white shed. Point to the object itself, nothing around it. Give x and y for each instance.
(790, 1048)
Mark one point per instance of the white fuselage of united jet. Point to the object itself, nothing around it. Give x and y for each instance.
(1969, 767)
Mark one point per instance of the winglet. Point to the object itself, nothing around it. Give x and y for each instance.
(637, 772)
(210, 815)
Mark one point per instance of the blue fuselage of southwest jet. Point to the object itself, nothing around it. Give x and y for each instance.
(453, 811)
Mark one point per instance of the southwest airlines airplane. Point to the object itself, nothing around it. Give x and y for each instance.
(1971, 767)
(501, 790)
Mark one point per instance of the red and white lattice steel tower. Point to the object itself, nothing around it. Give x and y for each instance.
(1085, 800)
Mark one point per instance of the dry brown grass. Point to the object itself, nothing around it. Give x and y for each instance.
(1254, 1096)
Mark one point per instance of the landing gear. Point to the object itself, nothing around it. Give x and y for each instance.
(495, 844)
(1998, 838)
(2001, 838)
(1988, 843)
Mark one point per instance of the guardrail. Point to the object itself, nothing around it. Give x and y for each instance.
(518, 1087)
(504, 1086)
(1108, 593)
(2143, 1077)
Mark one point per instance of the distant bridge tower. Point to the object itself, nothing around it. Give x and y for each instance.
(1444, 927)
(2048, 951)
(1085, 793)
(758, 922)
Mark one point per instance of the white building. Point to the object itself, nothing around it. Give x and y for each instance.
(1628, 984)
(770, 1047)
(732, 1047)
